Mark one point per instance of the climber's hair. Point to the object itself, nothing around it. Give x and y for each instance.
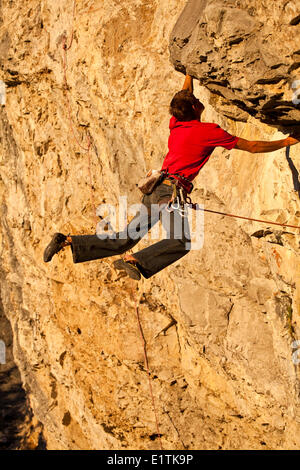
(181, 105)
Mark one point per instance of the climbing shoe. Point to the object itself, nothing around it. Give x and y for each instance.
(131, 270)
(56, 244)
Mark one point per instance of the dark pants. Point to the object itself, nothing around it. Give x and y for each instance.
(152, 259)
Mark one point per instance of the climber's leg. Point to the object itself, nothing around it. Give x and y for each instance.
(130, 268)
(156, 257)
(91, 247)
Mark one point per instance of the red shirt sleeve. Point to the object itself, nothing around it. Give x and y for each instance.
(221, 138)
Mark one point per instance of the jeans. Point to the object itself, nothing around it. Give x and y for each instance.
(152, 259)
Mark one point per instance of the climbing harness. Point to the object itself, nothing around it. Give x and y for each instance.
(177, 201)
(182, 180)
(180, 198)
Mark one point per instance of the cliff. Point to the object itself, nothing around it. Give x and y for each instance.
(224, 376)
(19, 430)
(246, 53)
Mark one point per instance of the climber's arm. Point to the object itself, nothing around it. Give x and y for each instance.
(188, 84)
(256, 146)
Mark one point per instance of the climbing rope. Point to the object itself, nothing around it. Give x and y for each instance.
(196, 207)
(147, 368)
(180, 200)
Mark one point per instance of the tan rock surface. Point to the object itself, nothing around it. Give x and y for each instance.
(223, 376)
(255, 45)
(19, 429)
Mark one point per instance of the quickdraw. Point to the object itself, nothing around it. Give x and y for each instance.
(179, 200)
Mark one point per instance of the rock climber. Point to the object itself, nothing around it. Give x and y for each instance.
(191, 143)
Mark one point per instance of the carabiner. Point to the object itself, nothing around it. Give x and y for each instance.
(168, 207)
(175, 207)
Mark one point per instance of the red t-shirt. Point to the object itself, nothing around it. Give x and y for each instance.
(191, 143)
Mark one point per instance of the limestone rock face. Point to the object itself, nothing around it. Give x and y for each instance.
(19, 430)
(226, 374)
(247, 53)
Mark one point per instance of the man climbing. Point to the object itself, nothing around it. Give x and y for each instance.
(191, 143)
